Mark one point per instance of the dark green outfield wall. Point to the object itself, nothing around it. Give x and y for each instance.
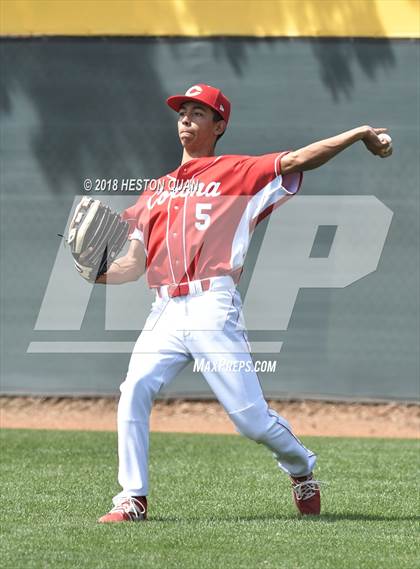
(78, 108)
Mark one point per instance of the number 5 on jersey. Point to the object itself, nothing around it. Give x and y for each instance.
(203, 218)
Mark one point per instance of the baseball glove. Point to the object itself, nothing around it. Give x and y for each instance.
(96, 236)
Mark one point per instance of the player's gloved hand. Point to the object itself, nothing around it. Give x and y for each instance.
(96, 236)
(372, 141)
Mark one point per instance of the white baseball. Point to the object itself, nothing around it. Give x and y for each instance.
(386, 150)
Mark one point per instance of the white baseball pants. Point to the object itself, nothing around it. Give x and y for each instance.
(207, 326)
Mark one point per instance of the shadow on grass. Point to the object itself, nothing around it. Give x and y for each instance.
(327, 517)
(363, 517)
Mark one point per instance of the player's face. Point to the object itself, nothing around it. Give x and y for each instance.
(196, 126)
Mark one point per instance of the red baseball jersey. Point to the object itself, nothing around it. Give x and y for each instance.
(197, 221)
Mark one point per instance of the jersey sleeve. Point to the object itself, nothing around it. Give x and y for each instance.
(259, 171)
(264, 184)
(134, 216)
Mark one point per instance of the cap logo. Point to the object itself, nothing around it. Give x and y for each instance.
(194, 91)
(222, 108)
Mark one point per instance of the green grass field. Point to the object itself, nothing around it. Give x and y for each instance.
(216, 501)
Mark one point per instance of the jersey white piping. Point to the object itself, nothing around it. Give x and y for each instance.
(297, 176)
(270, 194)
(137, 235)
(184, 213)
(184, 237)
(167, 240)
(276, 161)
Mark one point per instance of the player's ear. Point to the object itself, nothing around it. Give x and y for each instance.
(220, 127)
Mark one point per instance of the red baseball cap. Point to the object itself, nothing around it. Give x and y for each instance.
(207, 95)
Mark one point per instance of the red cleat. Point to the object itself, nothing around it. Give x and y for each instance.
(306, 495)
(128, 509)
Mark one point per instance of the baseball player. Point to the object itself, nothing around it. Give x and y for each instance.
(190, 234)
